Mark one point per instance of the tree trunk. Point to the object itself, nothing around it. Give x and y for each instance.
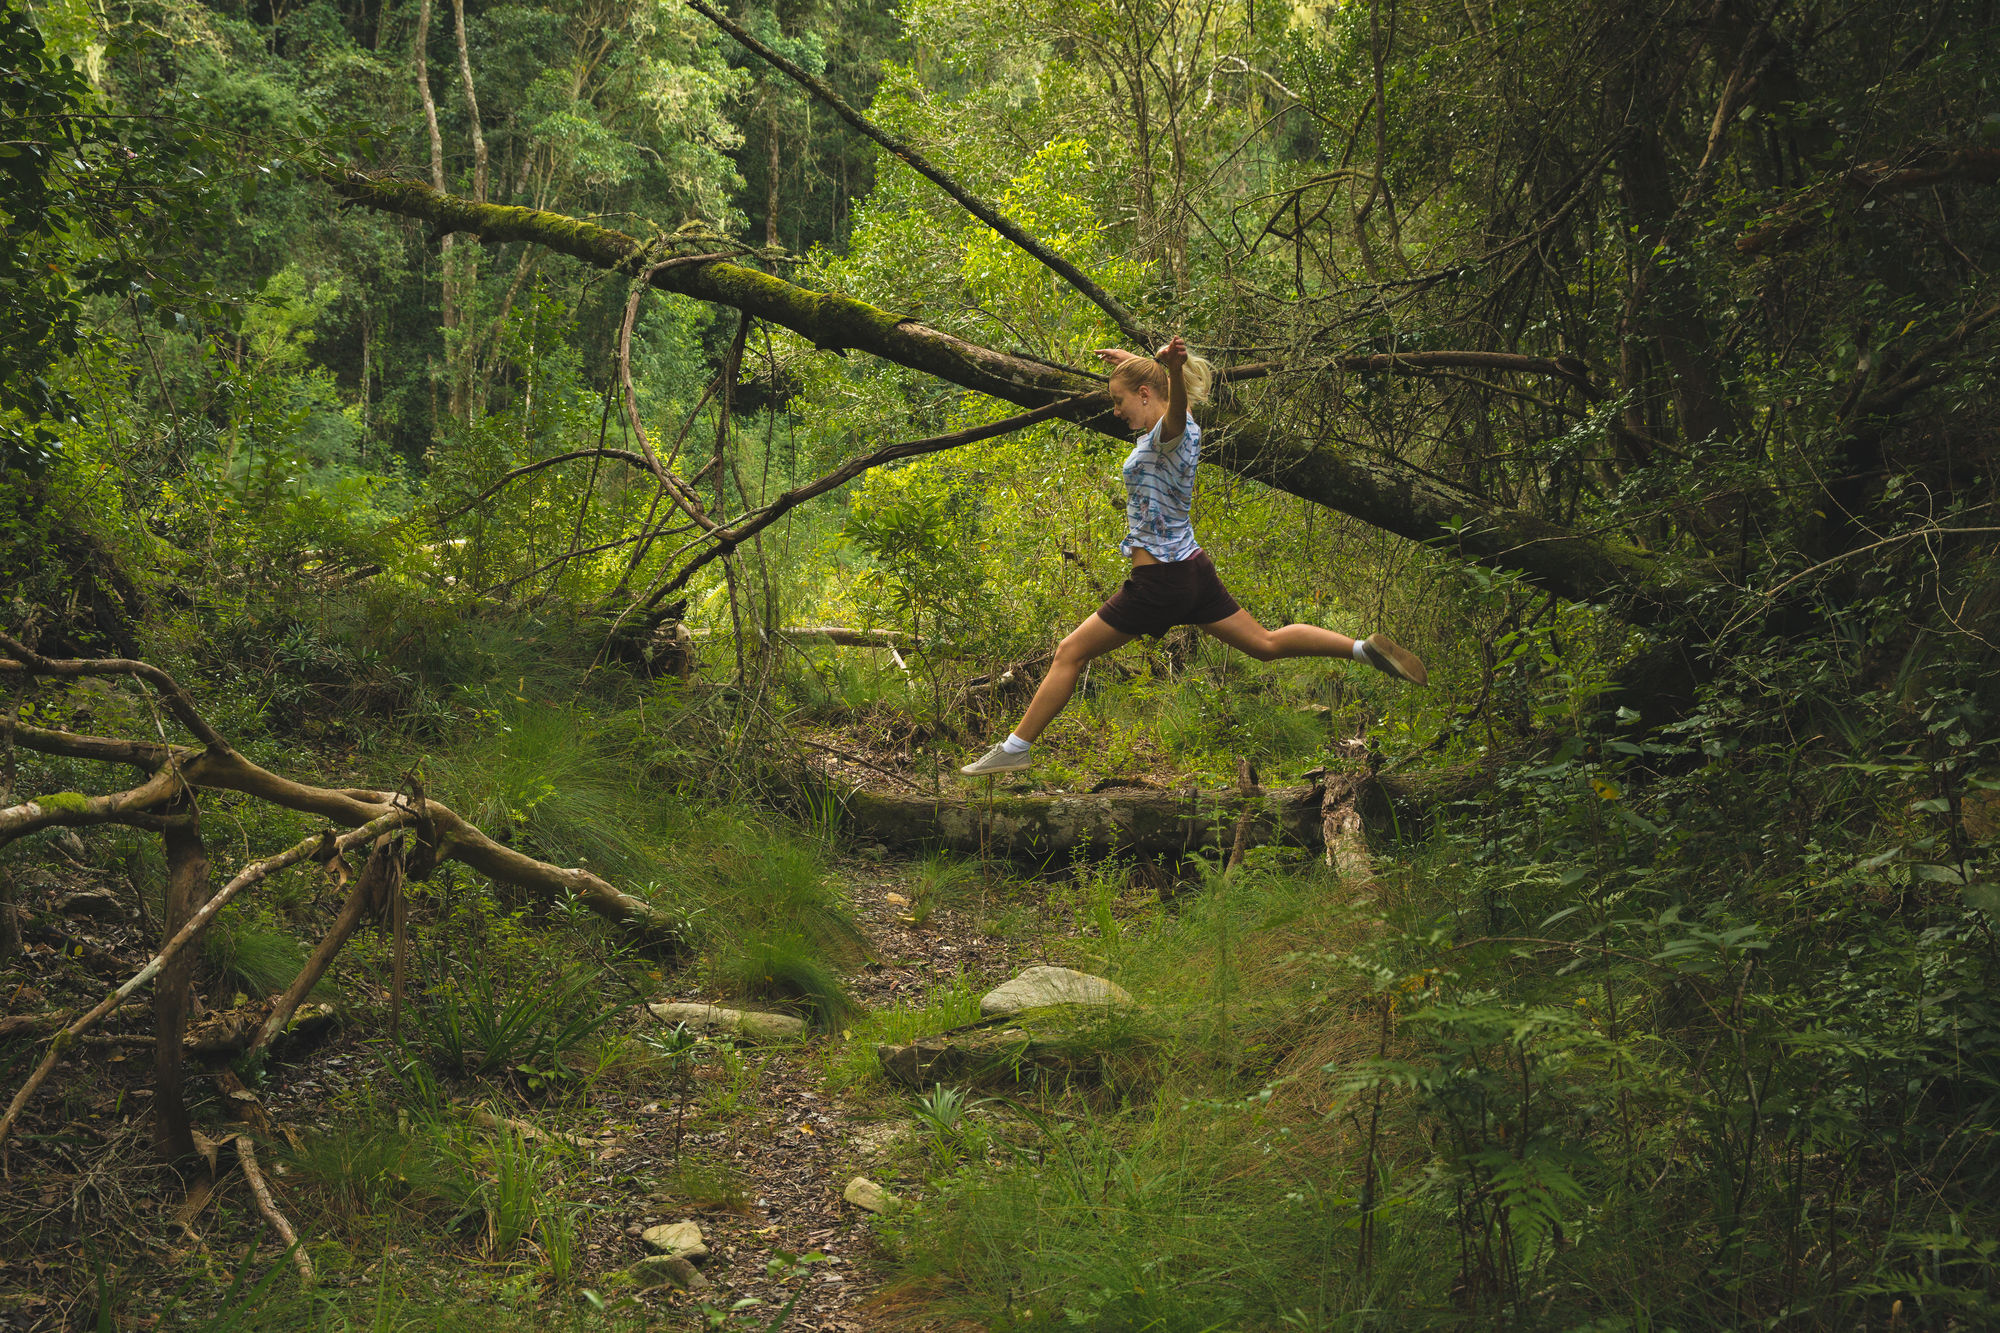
(187, 890)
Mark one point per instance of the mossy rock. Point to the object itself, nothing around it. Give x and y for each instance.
(1061, 1045)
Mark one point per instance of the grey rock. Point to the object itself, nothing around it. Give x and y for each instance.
(662, 1270)
(93, 903)
(681, 1239)
(1039, 987)
(747, 1023)
(866, 1194)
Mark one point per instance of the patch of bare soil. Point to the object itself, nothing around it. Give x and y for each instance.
(798, 1144)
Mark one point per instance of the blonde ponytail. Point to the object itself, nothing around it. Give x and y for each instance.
(1144, 372)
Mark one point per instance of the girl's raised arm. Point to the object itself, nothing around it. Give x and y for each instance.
(1174, 356)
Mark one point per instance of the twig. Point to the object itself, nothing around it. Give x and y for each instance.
(247, 1156)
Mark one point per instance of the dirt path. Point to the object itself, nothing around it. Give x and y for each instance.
(767, 1146)
(796, 1143)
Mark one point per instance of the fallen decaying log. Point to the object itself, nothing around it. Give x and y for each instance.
(1054, 826)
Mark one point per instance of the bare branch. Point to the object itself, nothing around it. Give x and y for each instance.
(247, 1156)
(29, 662)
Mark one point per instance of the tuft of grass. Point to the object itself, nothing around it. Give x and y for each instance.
(704, 1186)
(259, 960)
(943, 880)
(787, 970)
(483, 1025)
(852, 1060)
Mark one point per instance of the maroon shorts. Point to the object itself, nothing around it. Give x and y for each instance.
(1173, 592)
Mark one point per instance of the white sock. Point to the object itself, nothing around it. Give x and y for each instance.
(1360, 650)
(1014, 744)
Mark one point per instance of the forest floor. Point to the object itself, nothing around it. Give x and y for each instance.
(765, 1144)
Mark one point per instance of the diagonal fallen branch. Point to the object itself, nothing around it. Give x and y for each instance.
(246, 1156)
(967, 200)
(254, 873)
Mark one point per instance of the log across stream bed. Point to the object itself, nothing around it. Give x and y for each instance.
(1138, 821)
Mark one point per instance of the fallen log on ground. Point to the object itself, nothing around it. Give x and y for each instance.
(1137, 821)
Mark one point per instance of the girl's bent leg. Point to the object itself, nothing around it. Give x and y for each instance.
(1242, 632)
(1093, 638)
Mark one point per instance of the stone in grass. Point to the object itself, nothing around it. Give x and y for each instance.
(662, 1270)
(93, 903)
(1039, 987)
(681, 1239)
(747, 1023)
(866, 1194)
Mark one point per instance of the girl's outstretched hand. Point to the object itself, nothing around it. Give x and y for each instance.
(1174, 355)
(1114, 356)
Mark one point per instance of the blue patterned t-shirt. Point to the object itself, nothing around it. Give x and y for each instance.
(1159, 492)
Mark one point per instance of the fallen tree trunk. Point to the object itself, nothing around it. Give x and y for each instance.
(1058, 826)
(1384, 493)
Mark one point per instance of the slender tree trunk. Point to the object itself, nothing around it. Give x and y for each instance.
(447, 302)
(187, 890)
(462, 354)
(771, 184)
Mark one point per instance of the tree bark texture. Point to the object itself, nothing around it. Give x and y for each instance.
(1057, 826)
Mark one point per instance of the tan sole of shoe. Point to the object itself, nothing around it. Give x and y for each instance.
(1408, 665)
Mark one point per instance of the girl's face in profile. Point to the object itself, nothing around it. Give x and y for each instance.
(1137, 408)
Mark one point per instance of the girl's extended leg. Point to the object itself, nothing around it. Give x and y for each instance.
(1093, 638)
(1242, 632)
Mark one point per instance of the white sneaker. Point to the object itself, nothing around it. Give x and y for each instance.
(1393, 659)
(997, 760)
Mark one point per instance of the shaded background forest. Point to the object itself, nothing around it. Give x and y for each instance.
(1633, 362)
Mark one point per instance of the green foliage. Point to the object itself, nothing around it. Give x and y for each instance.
(521, 1029)
(260, 958)
(786, 969)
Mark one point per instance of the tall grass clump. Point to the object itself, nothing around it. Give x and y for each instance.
(259, 959)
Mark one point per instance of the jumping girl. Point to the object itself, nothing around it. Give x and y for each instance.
(1173, 581)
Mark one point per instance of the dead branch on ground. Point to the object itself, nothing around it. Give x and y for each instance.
(167, 800)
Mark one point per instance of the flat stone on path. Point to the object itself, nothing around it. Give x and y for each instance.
(1039, 987)
(667, 1270)
(730, 1022)
(866, 1194)
(683, 1240)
